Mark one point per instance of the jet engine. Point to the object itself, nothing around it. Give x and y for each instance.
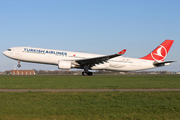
(64, 65)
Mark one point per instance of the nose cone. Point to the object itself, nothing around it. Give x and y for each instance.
(4, 53)
(9, 53)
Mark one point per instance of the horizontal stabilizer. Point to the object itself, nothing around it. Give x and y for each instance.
(159, 64)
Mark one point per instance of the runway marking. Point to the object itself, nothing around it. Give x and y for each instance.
(82, 90)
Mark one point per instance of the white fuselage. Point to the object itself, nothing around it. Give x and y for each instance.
(48, 56)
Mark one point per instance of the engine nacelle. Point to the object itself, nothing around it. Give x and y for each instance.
(64, 65)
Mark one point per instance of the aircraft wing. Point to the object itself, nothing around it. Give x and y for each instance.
(97, 60)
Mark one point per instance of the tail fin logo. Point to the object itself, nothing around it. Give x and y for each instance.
(159, 54)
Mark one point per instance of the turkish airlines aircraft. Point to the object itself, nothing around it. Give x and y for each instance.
(86, 61)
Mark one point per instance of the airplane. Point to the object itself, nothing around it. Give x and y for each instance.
(68, 59)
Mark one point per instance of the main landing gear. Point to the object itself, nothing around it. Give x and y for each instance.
(18, 64)
(86, 72)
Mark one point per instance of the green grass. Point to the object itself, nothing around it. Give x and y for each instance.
(90, 105)
(93, 82)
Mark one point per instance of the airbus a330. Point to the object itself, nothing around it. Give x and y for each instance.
(67, 59)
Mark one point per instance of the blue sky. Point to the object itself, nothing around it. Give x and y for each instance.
(93, 26)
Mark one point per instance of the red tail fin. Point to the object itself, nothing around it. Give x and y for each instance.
(160, 53)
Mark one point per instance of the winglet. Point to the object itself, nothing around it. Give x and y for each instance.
(122, 52)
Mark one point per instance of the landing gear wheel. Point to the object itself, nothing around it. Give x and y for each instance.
(87, 73)
(90, 73)
(18, 65)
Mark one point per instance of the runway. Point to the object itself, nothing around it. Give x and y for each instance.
(83, 90)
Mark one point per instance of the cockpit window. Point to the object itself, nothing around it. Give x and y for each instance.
(9, 49)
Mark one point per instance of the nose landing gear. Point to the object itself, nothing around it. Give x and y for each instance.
(19, 65)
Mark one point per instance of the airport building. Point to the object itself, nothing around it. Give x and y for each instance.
(22, 72)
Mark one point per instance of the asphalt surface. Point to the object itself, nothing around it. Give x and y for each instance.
(82, 90)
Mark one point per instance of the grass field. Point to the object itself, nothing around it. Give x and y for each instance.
(90, 105)
(93, 82)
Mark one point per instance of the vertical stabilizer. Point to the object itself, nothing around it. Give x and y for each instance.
(160, 53)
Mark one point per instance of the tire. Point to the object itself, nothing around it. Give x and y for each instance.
(18, 65)
(83, 73)
(90, 73)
